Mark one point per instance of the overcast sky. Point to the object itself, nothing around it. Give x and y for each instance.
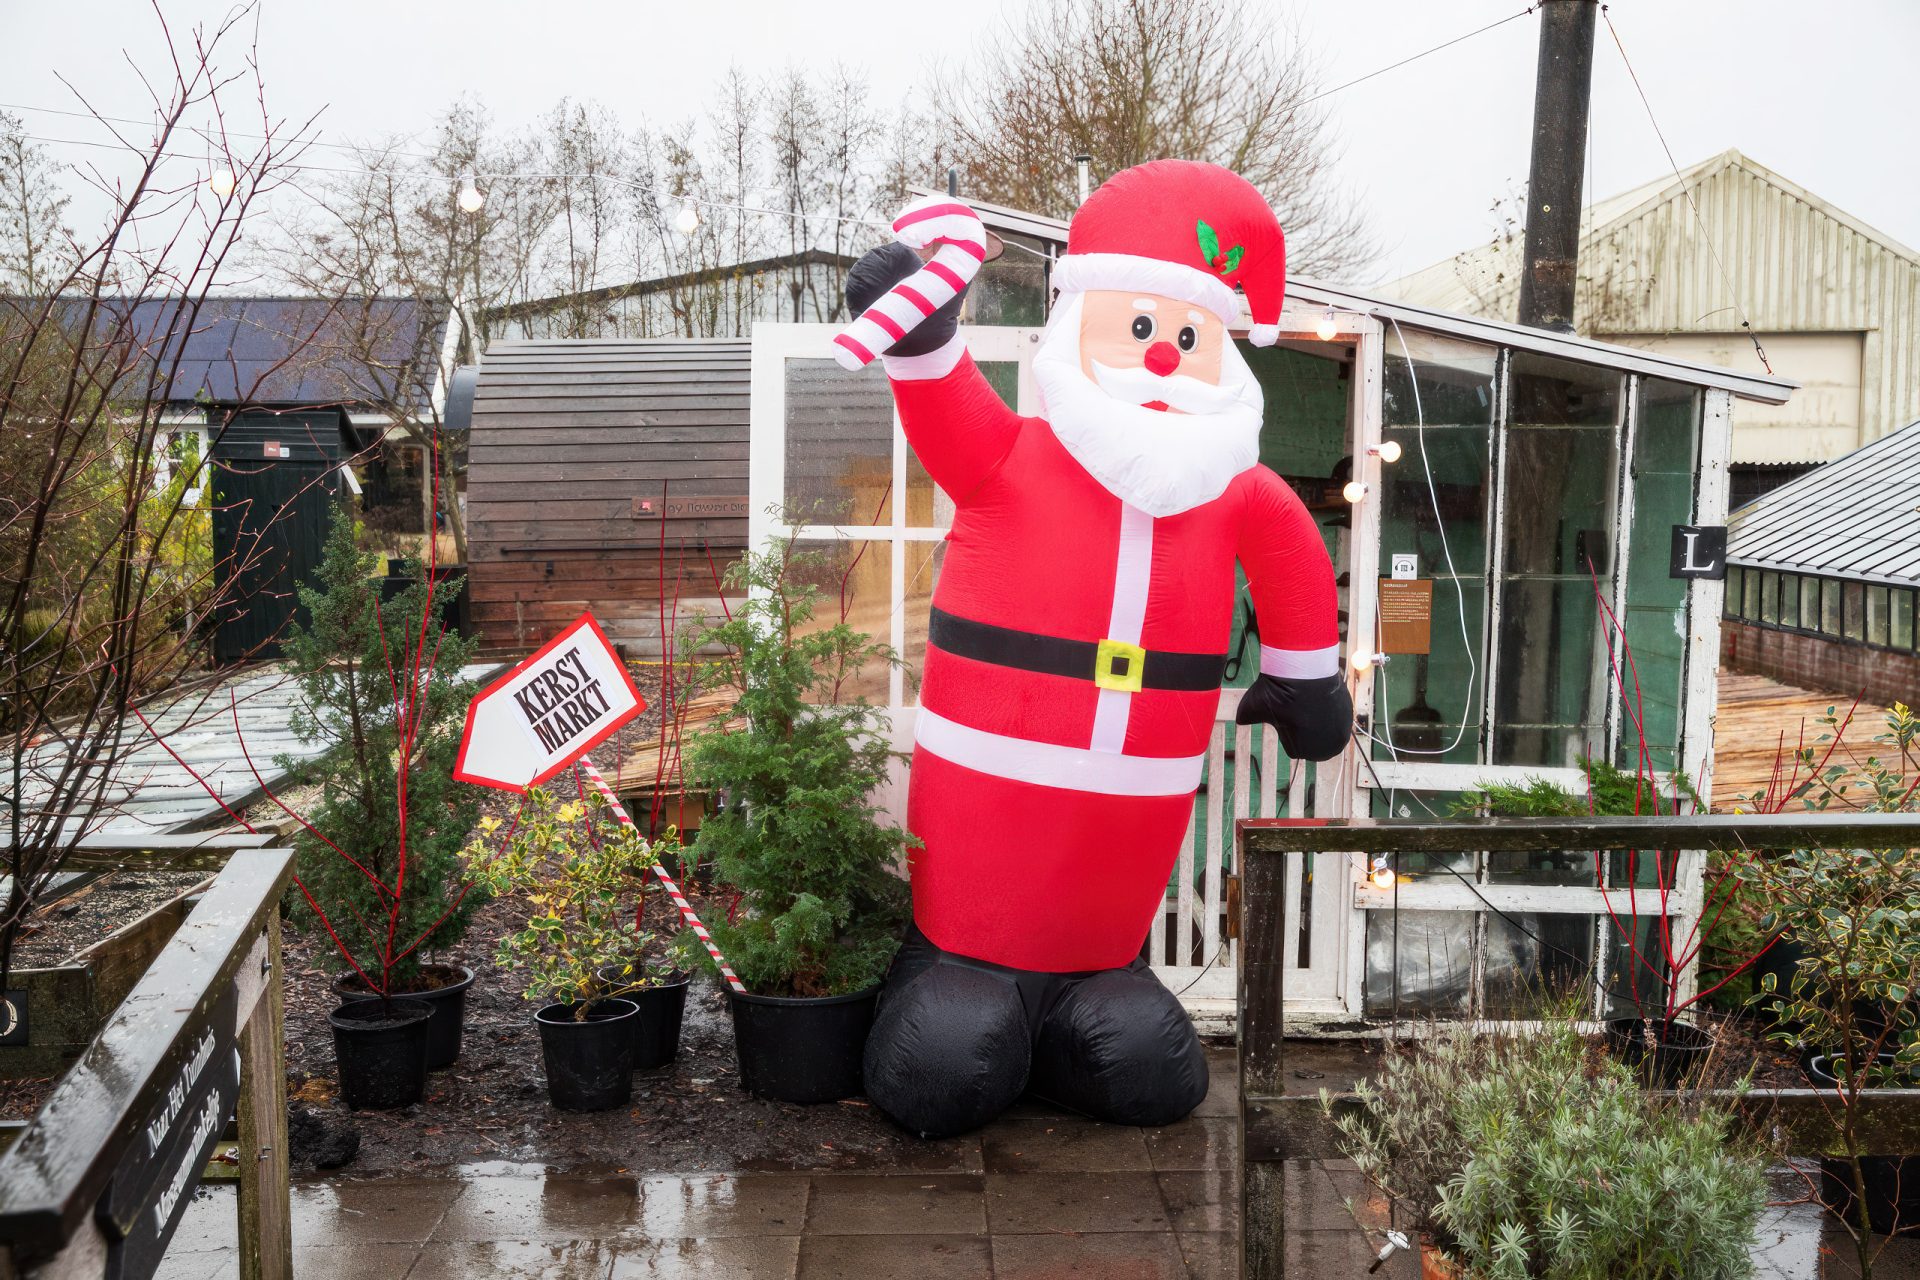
(1824, 94)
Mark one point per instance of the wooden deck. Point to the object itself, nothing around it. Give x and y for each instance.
(1760, 726)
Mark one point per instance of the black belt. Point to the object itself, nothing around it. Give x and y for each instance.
(1111, 664)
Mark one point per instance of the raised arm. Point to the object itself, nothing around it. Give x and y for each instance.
(1301, 689)
(955, 421)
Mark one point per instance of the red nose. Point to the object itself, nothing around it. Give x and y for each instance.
(1162, 359)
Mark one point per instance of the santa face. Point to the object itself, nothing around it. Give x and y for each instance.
(1151, 350)
(1150, 395)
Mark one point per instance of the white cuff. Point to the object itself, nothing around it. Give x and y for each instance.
(934, 364)
(1300, 664)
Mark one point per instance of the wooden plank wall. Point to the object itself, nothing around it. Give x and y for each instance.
(566, 436)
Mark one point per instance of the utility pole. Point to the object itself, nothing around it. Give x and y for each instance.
(1561, 92)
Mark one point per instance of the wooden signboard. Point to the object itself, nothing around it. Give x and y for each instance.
(1406, 615)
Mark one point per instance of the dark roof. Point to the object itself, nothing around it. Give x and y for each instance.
(1856, 517)
(609, 294)
(285, 351)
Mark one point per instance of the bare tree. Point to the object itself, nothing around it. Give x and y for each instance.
(103, 568)
(1126, 81)
(35, 244)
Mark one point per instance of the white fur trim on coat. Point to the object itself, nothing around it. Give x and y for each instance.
(1078, 272)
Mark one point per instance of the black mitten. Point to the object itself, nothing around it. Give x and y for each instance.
(1314, 717)
(885, 267)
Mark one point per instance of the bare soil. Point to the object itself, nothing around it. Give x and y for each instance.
(74, 923)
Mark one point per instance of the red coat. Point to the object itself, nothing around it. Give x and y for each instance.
(1051, 810)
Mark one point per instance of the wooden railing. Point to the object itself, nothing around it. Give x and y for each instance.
(96, 1183)
(1275, 1126)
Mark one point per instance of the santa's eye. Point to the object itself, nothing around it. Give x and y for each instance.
(1189, 338)
(1143, 328)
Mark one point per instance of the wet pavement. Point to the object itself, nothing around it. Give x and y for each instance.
(1036, 1196)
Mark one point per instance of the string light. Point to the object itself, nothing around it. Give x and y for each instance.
(1364, 662)
(1353, 491)
(1328, 328)
(222, 182)
(470, 198)
(1386, 451)
(1383, 878)
(687, 221)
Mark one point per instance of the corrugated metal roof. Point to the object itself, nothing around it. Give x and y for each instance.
(1857, 517)
(285, 351)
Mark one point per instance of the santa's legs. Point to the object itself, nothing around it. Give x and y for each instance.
(957, 1041)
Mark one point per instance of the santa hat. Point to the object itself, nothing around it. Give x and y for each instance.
(1183, 230)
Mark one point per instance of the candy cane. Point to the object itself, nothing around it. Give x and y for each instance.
(666, 881)
(936, 220)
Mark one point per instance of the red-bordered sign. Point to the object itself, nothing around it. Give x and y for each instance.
(547, 712)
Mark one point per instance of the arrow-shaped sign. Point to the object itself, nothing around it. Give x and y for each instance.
(548, 712)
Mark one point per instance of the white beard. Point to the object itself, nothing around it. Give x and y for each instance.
(1163, 463)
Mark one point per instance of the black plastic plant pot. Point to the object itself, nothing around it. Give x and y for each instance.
(449, 1003)
(1665, 1054)
(381, 1049)
(663, 1007)
(589, 1060)
(1892, 1182)
(802, 1049)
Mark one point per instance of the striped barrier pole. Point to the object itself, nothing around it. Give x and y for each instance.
(667, 881)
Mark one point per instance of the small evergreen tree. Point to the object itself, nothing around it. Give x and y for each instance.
(798, 836)
(379, 852)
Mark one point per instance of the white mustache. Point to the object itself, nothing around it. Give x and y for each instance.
(1138, 386)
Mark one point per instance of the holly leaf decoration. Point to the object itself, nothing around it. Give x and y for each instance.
(1233, 260)
(1209, 242)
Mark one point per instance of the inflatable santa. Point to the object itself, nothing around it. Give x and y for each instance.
(1077, 640)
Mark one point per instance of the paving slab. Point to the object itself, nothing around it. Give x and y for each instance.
(964, 1257)
(846, 1204)
(1073, 1203)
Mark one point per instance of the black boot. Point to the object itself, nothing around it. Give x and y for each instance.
(1117, 1046)
(950, 1043)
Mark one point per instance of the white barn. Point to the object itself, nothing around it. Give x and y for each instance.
(1835, 303)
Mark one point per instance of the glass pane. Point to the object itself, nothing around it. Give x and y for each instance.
(1750, 596)
(1853, 605)
(1770, 597)
(1559, 501)
(1900, 633)
(1453, 379)
(1536, 961)
(839, 444)
(1810, 603)
(1558, 866)
(1830, 606)
(1643, 869)
(923, 571)
(1789, 600)
(1730, 606)
(1553, 684)
(853, 582)
(1637, 968)
(1011, 289)
(1420, 699)
(1419, 962)
(1665, 453)
(927, 506)
(1877, 621)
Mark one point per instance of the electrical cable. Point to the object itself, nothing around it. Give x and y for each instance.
(1394, 66)
(1712, 249)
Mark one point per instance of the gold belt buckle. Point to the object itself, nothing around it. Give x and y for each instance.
(1119, 666)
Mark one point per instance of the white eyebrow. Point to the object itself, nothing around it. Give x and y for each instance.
(1146, 304)
(1196, 317)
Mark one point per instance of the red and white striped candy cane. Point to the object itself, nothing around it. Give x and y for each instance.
(935, 220)
(666, 881)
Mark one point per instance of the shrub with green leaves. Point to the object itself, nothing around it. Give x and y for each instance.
(798, 835)
(579, 870)
(1530, 1155)
(379, 850)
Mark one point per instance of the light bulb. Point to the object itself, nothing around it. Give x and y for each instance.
(687, 221)
(1353, 491)
(1328, 328)
(1387, 451)
(222, 182)
(470, 198)
(1382, 876)
(1360, 662)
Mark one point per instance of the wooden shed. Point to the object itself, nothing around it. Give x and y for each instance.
(604, 475)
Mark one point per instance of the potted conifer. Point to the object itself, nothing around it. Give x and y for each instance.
(821, 908)
(379, 865)
(575, 867)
